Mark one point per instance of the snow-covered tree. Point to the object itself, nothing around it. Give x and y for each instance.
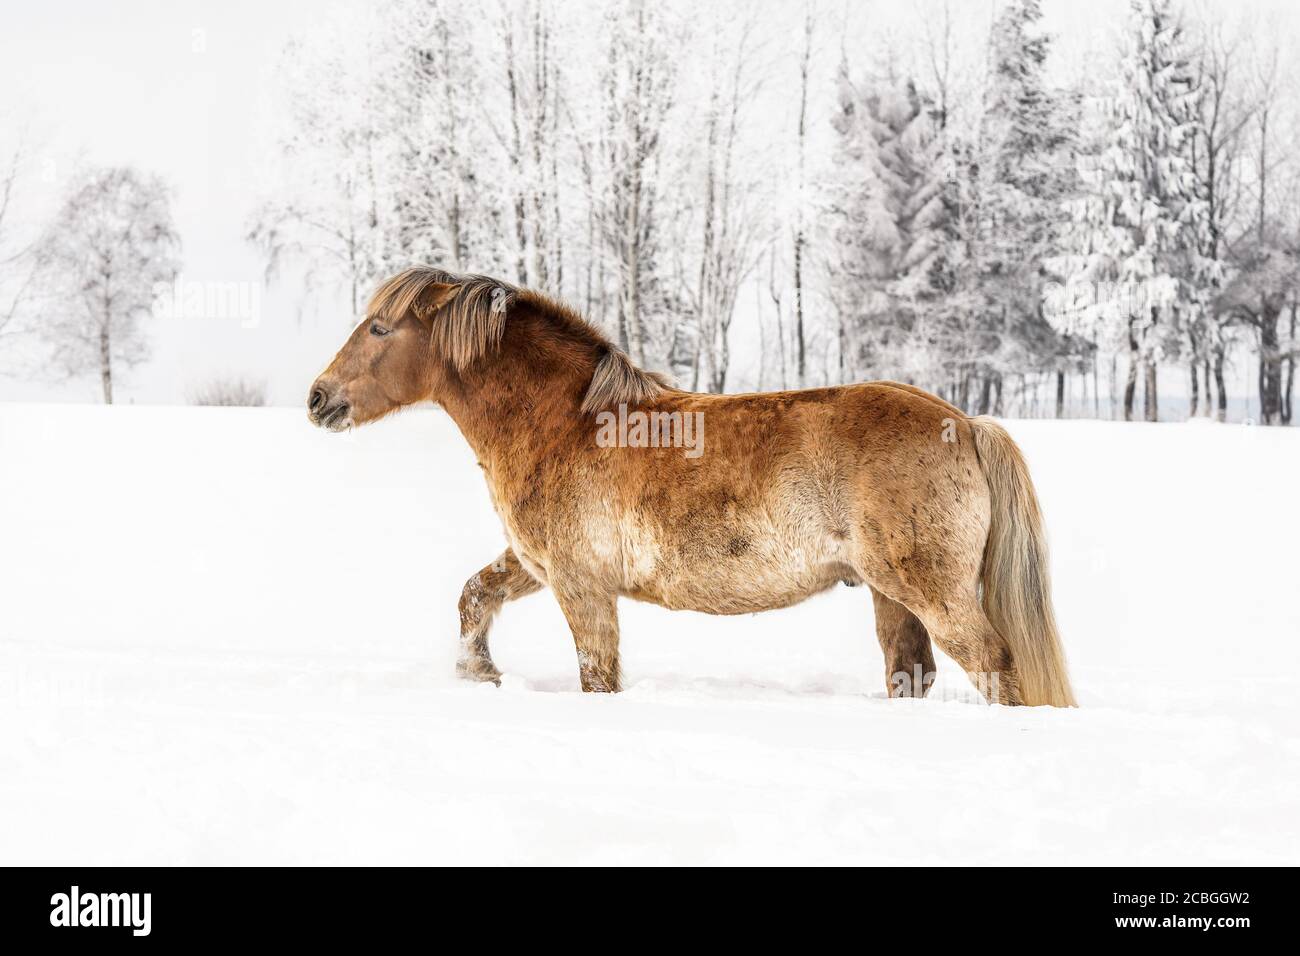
(109, 248)
(441, 166)
(630, 184)
(726, 218)
(800, 228)
(889, 225)
(382, 157)
(1264, 258)
(1023, 175)
(1137, 229)
(530, 39)
(1220, 154)
(18, 265)
(327, 210)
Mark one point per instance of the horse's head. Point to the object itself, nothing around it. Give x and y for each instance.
(389, 360)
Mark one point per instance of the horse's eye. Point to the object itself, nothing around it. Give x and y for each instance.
(378, 329)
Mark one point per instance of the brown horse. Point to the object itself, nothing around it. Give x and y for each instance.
(610, 483)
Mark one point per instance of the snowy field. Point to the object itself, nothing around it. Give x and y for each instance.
(227, 637)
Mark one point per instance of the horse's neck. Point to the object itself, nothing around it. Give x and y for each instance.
(511, 411)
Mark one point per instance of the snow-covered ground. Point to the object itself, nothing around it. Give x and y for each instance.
(226, 637)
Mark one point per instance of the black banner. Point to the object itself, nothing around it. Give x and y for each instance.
(1015, 907)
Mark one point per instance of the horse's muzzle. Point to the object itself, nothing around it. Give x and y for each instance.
(328, 411)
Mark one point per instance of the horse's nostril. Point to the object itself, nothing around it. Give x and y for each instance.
(317, 400)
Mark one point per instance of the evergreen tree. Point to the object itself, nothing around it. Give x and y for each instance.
(889, 241)
(1136, 228)
(1024, 174)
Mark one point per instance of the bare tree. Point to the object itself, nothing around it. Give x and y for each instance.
(774, 292)
(533, 85)
(110, 249)
(329, 213)
(1265, 257)
(384, 154)
(800, 227)
(17, 262)
(1218, 154)
(939, 59)
(728, 217)
(638, 83)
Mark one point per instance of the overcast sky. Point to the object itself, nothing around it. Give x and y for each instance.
(175, 87)
(178, 87)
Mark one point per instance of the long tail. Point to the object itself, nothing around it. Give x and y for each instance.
(1017, 590)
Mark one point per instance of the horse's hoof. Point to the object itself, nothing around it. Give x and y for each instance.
(481, 671)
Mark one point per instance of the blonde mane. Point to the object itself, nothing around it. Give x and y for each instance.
(468, 321)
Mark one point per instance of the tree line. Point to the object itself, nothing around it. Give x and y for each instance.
(985, 234)
(950, 205)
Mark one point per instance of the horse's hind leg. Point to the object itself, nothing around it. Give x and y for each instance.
(501, 581)
(909, 662)
(964, 633)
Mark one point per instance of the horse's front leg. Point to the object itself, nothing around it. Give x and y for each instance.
(593, 619)
(501, 581)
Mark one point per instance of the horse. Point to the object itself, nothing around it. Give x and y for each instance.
(772, 498)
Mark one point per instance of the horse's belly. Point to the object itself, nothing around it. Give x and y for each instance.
(732, 586)
(738, 561)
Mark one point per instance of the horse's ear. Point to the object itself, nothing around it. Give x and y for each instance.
(432, 298)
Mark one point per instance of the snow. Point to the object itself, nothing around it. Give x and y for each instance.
(227, 637)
